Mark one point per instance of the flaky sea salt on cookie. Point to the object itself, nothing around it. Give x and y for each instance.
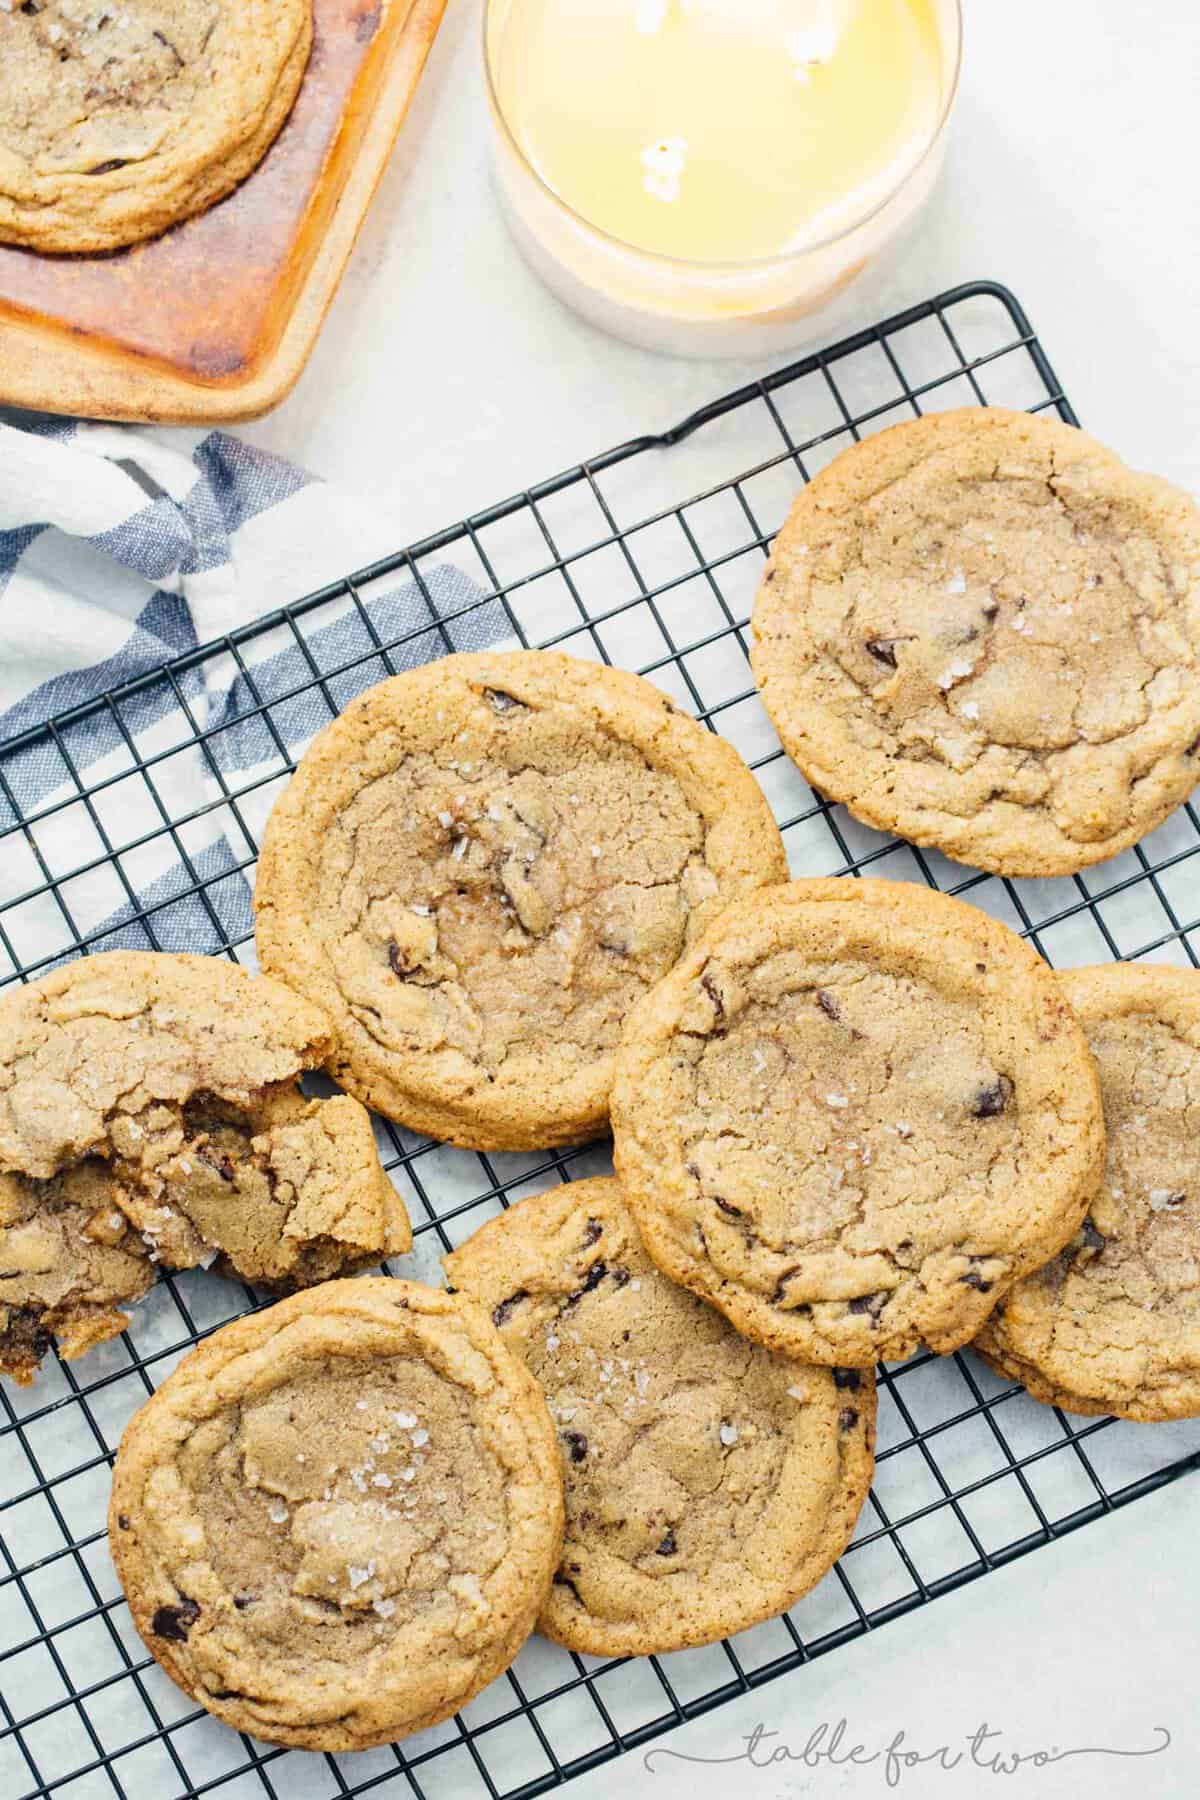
(854, 1116)
(482, 865)
(338, 1519)
(981, 631)
(1113, 1323)
(709, 1482)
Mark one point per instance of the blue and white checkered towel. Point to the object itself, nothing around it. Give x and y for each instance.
(120, 550)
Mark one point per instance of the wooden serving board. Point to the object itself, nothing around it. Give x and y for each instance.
(215, 320)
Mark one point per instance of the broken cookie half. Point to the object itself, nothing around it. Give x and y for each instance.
(69, 1261)
(150, 1112)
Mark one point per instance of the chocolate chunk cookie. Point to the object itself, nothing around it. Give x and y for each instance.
(338, 1519)
(1113, 1324)
(709, 1482)
(117, 120)
(980, 630)
(69, 1261)
(181, 1073)
(854, 1116)
(479, 868)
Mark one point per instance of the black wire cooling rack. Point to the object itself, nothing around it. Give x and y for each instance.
(134, 819)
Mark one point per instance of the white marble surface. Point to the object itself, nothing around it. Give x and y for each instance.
(446, 378)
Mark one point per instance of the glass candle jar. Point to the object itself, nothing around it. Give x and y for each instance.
(700, 176)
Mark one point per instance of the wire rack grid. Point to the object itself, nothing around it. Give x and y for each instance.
(648, 557)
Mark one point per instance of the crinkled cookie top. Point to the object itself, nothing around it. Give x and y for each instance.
(1113, 1323)
(337, 1520)
(855, 1114)
(709, 1482)
(482, 865)
(981, 631)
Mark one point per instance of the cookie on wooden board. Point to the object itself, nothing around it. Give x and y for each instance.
(119, 120)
